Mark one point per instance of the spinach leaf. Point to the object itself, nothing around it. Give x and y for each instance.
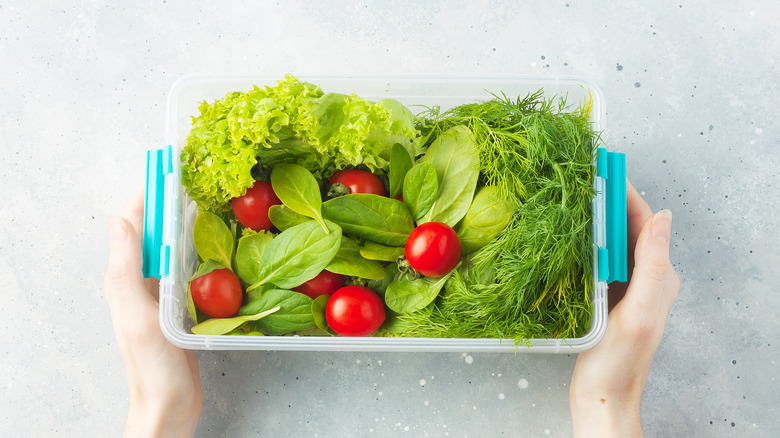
(372, 217)
(404, 296)
(297, 255)
(283, 217)
(420, 189)
(400, 163)
(203, 269)
(213, 239)
(294, 313)
(380, 286)
(488, 215)
(297, 188)
(455, 156)
(377, 251)
(221, 326)
(318, 306)
(248, 255)
(348, 261)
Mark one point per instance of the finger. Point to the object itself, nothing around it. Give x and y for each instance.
(637, 212)
(125, 289)
(134, 211)
(654, 284)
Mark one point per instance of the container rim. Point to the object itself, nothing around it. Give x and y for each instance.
(168, 301)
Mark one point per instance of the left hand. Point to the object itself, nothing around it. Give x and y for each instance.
(164, 382)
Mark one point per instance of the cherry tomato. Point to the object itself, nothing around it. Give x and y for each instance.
(325, 283)
(432, 249)
(251, 209)
(217, 294)
(355, 311)
(359, 181)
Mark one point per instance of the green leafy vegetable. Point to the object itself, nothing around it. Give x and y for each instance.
(400, 163)
(380, 286)
(348, 261)
(318, 306)
(213, 239)
(420, 189)
(297, 255)
(372, 217)
(404, 296)
(539, 155)
(295, 311)
(221, 326)
(297, 189)
(292, 122)
(283, 217)
(249, 254)
(455, 157)
(489, 214)
(377, 251)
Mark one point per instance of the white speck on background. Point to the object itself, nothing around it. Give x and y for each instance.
(358, 361)
(501, 396)
(547, 431)
(469, 360)
(422, 382)
(379, 361)
(522, 383)
(752, 13)
(426, 403)
(759, 131)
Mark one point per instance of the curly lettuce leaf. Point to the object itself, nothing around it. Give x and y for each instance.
(293, 122)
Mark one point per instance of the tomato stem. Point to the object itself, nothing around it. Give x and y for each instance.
(338, 189)
(406, 270)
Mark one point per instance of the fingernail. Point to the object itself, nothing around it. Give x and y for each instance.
(117, 231)
(662, 225)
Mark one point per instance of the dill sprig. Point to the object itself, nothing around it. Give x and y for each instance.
(535, 279)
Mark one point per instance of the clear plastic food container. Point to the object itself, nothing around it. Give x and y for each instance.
(169, 252)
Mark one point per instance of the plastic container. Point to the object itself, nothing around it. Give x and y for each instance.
(169, 253)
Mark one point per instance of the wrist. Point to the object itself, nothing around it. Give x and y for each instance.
(605, 417)
(149, 419)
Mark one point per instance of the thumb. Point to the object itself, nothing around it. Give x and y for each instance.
(124, 277)
(653, 279)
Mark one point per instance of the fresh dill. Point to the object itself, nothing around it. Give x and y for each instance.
(534, 280)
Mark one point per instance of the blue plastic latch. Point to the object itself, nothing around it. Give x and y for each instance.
(613, 259)
(158, 164)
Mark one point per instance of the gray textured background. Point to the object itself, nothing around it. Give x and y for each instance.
(692, 98)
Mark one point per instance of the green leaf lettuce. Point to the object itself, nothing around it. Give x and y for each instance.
(293, 122)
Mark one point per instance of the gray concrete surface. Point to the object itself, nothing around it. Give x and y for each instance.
(692, 97)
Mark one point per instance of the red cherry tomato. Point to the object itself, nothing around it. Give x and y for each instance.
(325, 283)
(251, 209)
(359, 181)
(355, 311)
(433, 249)
(217, 294)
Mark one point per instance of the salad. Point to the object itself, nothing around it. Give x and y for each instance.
(329, 214)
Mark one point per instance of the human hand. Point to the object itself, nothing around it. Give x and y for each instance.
(164, 382)
(608, 381)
